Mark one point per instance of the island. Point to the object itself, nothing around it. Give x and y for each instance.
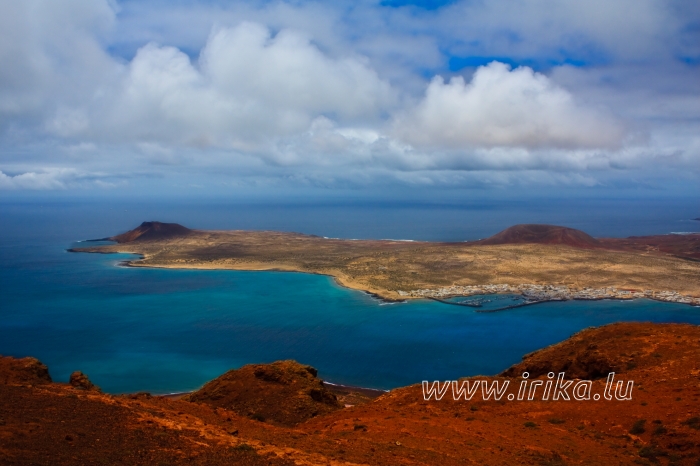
(541, 262)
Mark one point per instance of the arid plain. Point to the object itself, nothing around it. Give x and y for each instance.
(523, 254)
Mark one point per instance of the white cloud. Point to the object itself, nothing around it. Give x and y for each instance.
(504, 107)
(67, 122)
(51, 55)
(287, 71)
(247, 89)
(53, 178)
(337, 90)
(50, 179)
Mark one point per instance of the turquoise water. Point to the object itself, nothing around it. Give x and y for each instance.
(172, 330)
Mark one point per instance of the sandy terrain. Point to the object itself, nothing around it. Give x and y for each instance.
(385, 267)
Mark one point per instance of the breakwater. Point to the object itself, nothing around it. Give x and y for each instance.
(504, 308)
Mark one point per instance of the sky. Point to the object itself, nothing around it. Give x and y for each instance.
(387, 99)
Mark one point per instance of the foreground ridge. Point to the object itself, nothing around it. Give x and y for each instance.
(44, 422)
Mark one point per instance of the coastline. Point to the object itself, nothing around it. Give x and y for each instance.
(385, 296)
(334, 387)
(539, 293)
(397, 271)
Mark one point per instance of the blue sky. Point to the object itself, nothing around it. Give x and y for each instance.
(364, 98)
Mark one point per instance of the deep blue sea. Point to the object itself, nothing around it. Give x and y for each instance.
(167, 331)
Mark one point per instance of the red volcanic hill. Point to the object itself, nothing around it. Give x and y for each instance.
(543, 234)
(149, 231)
(284, 392)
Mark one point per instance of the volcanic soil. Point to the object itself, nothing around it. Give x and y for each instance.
(281, 414)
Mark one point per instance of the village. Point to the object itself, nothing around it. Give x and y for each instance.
(539, 293)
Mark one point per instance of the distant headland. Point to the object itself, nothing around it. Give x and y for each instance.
(548, 261)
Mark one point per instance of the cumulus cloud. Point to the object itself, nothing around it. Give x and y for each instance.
(504, 107)
(291, 89)
(52, 178)
(51, 55)
(247, 88)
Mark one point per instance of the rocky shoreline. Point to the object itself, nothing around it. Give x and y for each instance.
(543, 293)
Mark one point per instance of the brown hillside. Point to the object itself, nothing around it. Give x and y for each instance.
(152, 231)
(542, 234)
(593, 353)
(51, 423)
(284, 392)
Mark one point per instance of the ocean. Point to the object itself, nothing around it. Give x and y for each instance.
(167, 331)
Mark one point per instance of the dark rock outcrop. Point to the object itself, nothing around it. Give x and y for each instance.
(25, 371)
(80, 380)
(284, 392)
